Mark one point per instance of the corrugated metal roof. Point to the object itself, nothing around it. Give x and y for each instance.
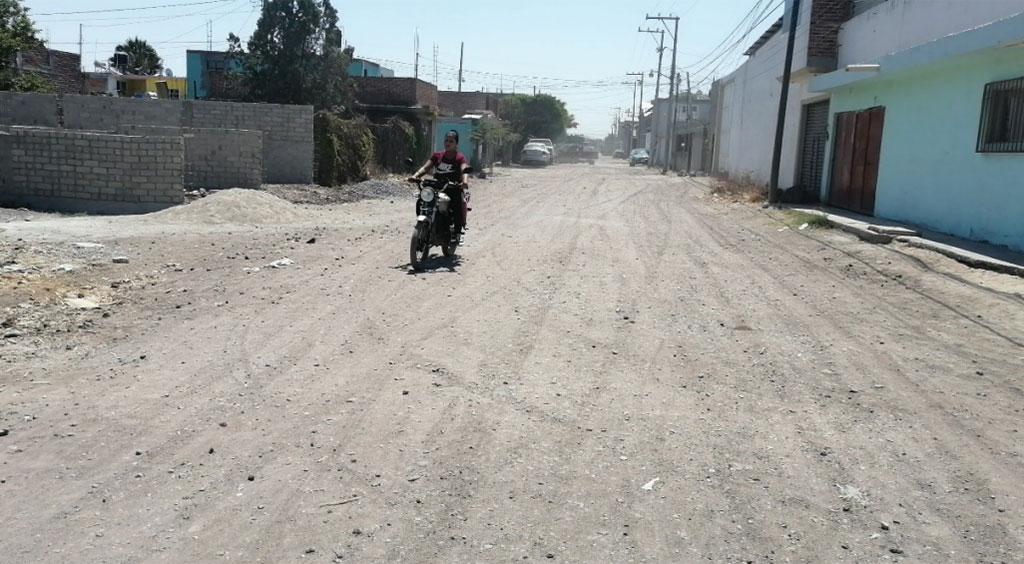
(768, 34)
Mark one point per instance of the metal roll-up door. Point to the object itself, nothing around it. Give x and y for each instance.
(815, 141)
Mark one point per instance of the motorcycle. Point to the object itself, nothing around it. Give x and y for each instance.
(435, 221)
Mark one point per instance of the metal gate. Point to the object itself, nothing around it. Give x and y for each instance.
(858, 148)
(812, 155)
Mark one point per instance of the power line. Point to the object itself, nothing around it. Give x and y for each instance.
(133, 9)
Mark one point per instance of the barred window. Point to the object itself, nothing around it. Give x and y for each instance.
(1002, 117)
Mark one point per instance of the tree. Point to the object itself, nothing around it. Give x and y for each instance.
(494, 135)
(17, 33)
(541, 115)
(295, 57)
(142, 58)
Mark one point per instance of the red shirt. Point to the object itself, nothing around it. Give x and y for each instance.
(448, 168)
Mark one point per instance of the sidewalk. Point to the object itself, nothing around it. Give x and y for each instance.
(875, 230)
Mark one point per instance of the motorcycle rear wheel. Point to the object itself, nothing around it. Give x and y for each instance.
(418, 250)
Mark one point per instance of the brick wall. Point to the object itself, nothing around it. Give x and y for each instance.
(214, 158)
(21, 108)
(287, 134)
(459, 104)
(823, 39)
(221, 87)
(76, 171)
(390, 91)
(62, 69)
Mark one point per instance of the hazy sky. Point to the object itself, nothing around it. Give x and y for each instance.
(578, 50)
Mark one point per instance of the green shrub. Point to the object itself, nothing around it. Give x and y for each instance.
(343, 149)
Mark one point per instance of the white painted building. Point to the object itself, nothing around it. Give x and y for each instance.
(831, 34)
(694, 122)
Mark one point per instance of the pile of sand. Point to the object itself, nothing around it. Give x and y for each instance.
(234, 206)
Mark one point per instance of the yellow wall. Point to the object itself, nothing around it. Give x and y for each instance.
(148, 84)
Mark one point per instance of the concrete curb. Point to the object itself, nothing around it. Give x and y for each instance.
(963, 256)
(885, 234)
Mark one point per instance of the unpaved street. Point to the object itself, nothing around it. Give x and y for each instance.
(619, 368)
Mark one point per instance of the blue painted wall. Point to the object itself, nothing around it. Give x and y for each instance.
(929, 173)
(194, 72)
(465, 128)
(359, 67)
(196, 63)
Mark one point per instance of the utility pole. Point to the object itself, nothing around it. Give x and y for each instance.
(80, 35)
(209, 35)
(773, 182)
(462, 50)
(416, 59)
(689, 135)
(435, 63)
(673, 90)
(661, 51)
(640, 106)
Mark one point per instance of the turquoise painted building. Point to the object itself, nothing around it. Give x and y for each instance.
(465, 127)
(936, 133)
(362, 67)
(206, 73)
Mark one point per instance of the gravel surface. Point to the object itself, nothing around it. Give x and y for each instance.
(383, 189)
(617, 367)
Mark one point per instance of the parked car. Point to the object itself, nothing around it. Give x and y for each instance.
(639, 156)
(535, 154)
(619, 154)
(547, 143)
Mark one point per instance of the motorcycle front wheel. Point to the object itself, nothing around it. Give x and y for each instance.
(448, 249)
(418, 250)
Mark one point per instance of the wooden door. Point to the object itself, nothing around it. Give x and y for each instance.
(855, 160)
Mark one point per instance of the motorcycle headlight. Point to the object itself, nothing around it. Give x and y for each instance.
(427, 194)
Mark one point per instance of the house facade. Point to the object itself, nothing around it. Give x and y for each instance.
(207, 75)
(362, 67)
(747, 100)
(694, 116)
(931, 134)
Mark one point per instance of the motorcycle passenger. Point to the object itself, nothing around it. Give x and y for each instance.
(449, 166)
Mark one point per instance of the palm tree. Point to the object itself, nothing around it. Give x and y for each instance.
(142, 58)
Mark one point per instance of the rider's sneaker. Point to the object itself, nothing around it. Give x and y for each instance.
(462, 239)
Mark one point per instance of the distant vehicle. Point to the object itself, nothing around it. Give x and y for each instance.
(619, 154)
(639, 156)
(547, 143)
(146, 96)
(577, 154)
(535, 154)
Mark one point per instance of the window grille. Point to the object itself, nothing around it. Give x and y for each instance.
(1002, 117)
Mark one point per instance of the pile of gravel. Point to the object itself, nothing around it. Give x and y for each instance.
(381, 189)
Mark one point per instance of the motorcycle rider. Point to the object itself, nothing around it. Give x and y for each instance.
(450, 166)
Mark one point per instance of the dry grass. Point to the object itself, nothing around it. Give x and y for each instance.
(742, 189)
(795, 219)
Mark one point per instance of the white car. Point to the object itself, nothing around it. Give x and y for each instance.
(535, 154)
(547, 143)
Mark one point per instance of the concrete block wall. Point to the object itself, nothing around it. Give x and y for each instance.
(75, 171)
(287, 134)
(103, 113)
(23, 108)
(214, 158)
(223, 158)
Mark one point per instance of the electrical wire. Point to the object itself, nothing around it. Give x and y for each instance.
(137, 8)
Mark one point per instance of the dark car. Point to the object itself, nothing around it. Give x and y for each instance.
(639, 156)
(619, 154)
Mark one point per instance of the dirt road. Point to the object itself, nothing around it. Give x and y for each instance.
(620, 368)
